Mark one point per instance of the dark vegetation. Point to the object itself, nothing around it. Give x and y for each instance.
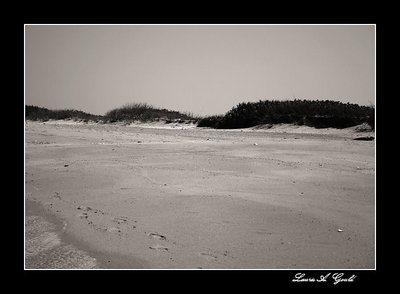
(144, 112)
(44, 114)
(318, 114)
(369, 138)
(127, 113)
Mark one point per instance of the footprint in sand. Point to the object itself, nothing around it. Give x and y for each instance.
(114, 230)
(120, 220)
(208, 256)
(83, 215)
(92, 215)
(159, 247)
(84, 208)
(157, 236)
(57, 195)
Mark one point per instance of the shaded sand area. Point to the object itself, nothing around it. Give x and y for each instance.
(115, 196)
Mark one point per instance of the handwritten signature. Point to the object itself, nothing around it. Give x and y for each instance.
(336, 278)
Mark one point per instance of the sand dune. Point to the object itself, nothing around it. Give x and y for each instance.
(175, 196)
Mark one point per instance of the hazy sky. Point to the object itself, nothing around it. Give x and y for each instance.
(202, 69)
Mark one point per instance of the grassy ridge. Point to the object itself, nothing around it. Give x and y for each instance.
(144, 112)
(44, 114)
(128, 113)
(318, 114)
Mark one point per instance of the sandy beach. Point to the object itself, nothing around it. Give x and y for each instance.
(175, 196)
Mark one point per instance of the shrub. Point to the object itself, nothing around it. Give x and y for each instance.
(210, 121)
(44, 114)
(319, 114)
(144, 112)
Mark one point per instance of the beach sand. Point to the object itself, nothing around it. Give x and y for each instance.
(178, 197)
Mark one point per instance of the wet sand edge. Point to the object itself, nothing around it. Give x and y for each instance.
(104, 260)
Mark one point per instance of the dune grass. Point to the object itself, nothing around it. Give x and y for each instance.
(44, 114)
(144, 112)
(313, 113)
(318, 114)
